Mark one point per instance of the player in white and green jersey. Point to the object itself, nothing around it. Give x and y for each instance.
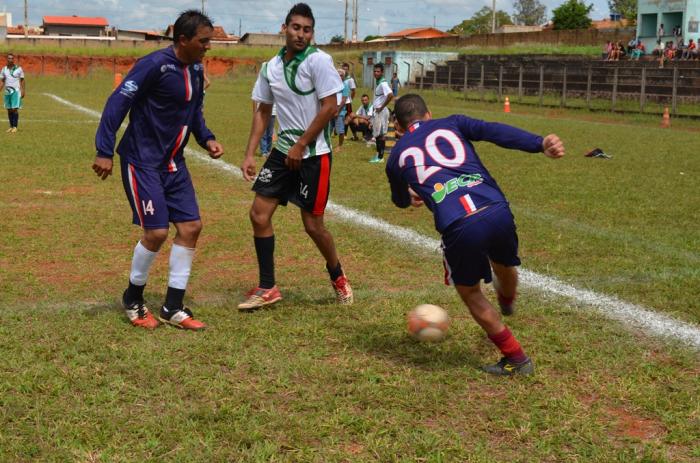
(12, 79)
(302, 82)
(380, 119)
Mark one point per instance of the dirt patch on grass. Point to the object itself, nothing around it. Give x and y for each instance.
(628, 424)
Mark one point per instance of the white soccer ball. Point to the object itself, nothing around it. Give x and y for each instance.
(428, 323)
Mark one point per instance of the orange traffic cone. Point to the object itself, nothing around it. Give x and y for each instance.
(117, 79)
(506, 106)
(666, 120)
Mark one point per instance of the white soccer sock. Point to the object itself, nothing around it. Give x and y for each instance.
(180, 266)
(141, 264)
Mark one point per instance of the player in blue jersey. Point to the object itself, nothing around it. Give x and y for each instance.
(434, 163)
(163, 94)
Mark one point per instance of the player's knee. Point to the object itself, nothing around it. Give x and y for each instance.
(257, 218)
(154, 238)
(314, 228)
(192, 230)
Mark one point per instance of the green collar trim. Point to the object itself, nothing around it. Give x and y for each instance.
(292, 67)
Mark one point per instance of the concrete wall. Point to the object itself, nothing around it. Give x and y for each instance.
(671, 13)
(569, 37)
(75, 30)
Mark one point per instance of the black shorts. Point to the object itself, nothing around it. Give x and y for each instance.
(307, 188)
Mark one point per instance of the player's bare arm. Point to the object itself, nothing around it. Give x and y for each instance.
(415, 199)
(325, 114)
(552, 146)
(261, 117)
(102, 167)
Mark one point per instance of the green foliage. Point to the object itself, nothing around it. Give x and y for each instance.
(572, 15)
(337, 39)
(371, 37)
(480, 23)
(529, 12)
(626, 8)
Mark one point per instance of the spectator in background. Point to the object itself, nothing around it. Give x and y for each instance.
(606, 50)
(661, 33)
(266, 140)
(361, 121)
(632, 44)
(351, 83)
(395, 84)
(344, 96)
(639, 50)
(380, 118)
(691, 51)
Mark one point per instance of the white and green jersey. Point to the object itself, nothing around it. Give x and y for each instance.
(381, 93)
(296, 88)
(12, 77)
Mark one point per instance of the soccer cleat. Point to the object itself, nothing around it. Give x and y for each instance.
(183, 319)
(13, 130)
(343, 291)
(259, 297)
(140, 316)
(507, 368)
(376, 159)
(9, 130)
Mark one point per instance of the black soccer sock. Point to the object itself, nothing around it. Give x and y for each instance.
(265, 249)
(9, 118)
(16, 118)
(134, 293)
(174, 298)
(335, 272)
(381, 144)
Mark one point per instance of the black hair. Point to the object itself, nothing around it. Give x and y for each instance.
(364, 95)
(409, 108)
(188, 22)
(380, 66)
(300, 9)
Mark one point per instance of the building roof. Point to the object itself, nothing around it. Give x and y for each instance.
(418, 33)
(609, 24)
(75, 21)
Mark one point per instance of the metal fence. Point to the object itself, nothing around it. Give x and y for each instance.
(620, 87)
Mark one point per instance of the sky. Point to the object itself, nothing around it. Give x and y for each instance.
(376, 17)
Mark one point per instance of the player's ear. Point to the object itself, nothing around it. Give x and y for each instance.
(428, 116)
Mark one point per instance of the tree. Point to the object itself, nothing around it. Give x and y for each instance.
(626, 8)
(572, 15)
(337, 39)
(371, 37)
(531, 12)
(480, 23)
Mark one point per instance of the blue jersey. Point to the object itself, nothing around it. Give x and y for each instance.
(438, 161)
(163, 97)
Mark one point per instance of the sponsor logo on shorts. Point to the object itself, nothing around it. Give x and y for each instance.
(265, 175)
(453, 184)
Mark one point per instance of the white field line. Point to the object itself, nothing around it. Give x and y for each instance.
(631, 315)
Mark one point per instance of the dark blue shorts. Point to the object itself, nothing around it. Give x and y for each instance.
(470, 243)
(158, 198)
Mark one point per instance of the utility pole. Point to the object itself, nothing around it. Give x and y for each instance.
(345, 23)
(493, 17)
(240, 23)
(202, 6)
(26, 21)
(354, 20)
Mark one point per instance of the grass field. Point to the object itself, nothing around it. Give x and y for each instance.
(309, 381)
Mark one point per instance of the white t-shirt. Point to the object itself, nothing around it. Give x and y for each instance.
(296, 88)
(353, 86)
(381, 93)
(12, 77)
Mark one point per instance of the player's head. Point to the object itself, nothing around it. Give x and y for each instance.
(192, 35)
(299, 27)
(410, 108)
(341, 73)
(346, 66)
(365, 99)
(10, 59)
(378, 70)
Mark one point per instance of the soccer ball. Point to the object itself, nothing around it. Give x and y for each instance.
(428, 323)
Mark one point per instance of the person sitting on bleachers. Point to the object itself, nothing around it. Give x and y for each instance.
(640, 50)
(691, 50)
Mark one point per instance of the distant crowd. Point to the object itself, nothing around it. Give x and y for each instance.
(669, 50)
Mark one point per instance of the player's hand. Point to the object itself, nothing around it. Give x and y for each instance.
(416, 201)
(215, 149)
(552, 146)
(248, 168)
(294, 156)
(102, 167)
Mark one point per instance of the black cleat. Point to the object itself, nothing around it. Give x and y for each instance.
(507, 368)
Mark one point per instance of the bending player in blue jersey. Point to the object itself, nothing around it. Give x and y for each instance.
(163, 94)
(434, 163)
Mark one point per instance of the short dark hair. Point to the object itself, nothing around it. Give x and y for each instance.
(409, 108)
(346, 65)
(300, 9)
(380, 66)
(188, 22)
(364, 95)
